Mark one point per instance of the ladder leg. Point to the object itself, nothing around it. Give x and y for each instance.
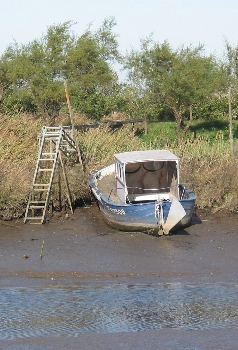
(56, 138)
(66, 183)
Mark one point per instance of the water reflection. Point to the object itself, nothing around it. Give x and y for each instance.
(26, 312)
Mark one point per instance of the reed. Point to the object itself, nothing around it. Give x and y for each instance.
(100, 144)
(208, 165)
(98, 147)
(205, 162)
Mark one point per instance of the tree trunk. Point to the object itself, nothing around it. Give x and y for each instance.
(1, 91)
(230, 123)
(178, 118)
(189, 123)
(178, 129)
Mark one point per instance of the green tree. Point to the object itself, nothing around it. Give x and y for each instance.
(230, 66)
(231, 70)
(178, 79)
(32, 75)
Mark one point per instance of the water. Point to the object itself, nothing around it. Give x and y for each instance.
(73, 310)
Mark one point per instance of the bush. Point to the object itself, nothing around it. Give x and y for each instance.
(204, 162)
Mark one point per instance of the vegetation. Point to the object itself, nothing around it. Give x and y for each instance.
(177, 79)
(18, 153)
(205, 162)
(182, 94)
(31, 75)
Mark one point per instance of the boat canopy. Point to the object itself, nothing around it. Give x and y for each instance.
(146, 175)
(146, 156)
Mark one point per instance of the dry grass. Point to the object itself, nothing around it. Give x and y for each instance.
(100, 144)
(18, 154)
(18, 151)
(213, 172)
(18, 137)
(208, 165)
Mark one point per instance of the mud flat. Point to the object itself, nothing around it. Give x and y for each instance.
(144, 292)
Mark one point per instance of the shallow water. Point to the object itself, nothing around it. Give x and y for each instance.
(73, 310)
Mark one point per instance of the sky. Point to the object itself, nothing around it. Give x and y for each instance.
(180, 22)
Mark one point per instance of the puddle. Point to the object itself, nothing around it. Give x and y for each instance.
(71, 311)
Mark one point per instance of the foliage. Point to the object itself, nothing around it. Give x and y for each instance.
(215, 108)
(205, 160)
(159, 134)
(32, 75)
(177, 79)
(230, 65)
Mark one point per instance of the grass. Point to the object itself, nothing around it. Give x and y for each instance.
(18, 154)
(165, 132)
(205, 160)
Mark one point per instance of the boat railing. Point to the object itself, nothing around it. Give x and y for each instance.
(160, 193)
(149, 189)
(153, 192)
(183, 185)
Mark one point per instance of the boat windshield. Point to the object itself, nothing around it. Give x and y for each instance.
(152, 177)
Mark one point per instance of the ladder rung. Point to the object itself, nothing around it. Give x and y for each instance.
(34, 202)
(48, 153)
(40, 185)
(47, 159)
(52, 134)
(40, 189)
(52, 127)
(45, 169)
(52, 131)
(36, 206)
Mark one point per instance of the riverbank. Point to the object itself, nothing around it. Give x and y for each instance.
(80, 250)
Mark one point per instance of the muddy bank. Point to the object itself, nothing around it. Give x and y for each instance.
(82, 249)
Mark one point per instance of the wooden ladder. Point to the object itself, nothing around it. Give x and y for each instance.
(53, 140)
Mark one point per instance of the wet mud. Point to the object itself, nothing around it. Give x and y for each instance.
(118, 290)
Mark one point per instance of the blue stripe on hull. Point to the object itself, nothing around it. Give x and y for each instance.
(140, 216)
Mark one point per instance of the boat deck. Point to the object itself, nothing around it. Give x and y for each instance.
(107, 186)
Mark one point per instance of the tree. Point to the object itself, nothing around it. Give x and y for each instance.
(231, 70)
(178, 79)
(32, 75)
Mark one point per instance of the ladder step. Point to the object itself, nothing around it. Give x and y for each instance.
(42, 169)
(48, 154)
(36, 206)
(52, 127)
(46, 159)
(40, 185)
(34, 217)
(52, 134)
(53, 131)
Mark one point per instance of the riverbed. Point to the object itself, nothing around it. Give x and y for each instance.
(76, 283)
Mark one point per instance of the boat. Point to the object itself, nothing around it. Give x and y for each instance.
(141, 191)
